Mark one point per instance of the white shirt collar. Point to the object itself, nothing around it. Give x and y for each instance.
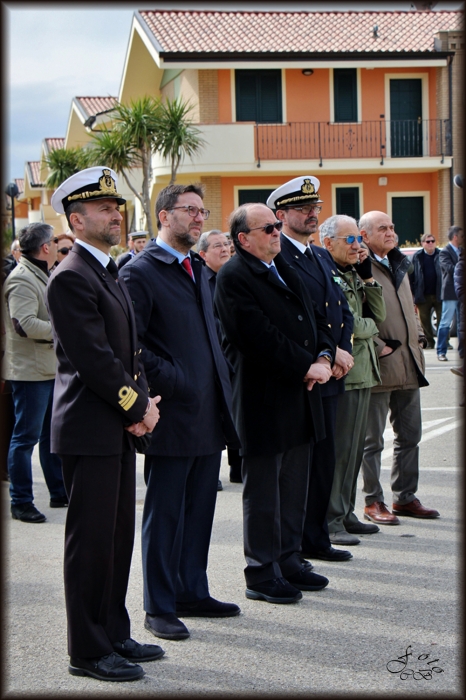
(102, 257)
(300, 246)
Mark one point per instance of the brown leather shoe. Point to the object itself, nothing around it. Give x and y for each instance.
(415, 509)
(379, 513)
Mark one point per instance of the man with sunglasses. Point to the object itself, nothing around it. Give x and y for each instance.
(281, 351)
(297, 204)
(184, 363)
(426, 285)
(29, 364)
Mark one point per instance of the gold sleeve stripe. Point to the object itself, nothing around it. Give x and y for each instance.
(127, 397)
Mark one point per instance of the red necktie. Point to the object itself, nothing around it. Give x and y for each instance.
(187, 266)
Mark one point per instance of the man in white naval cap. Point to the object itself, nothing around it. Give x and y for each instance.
(138, 240)
(101, 407)
(297, 204)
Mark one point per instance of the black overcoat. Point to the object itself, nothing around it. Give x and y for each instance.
(319, 279)
(448, 260)
(272, 336)
(182, 357)
(100, 385)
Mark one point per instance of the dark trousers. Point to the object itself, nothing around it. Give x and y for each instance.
(322, 469)
(99, 537)
(424, 310)
(176, 528)
(274, 505)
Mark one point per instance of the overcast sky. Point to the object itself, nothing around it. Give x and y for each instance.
(60, 51)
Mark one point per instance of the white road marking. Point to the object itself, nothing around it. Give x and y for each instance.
(433, 433)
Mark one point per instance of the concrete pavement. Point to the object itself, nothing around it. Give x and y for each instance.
(400, 590)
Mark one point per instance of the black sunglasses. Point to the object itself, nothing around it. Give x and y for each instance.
(269, 228)
(64, 251)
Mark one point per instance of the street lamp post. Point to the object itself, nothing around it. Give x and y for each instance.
(12, 191)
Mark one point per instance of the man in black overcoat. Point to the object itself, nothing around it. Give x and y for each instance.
(281, 350)
(101, 405)
(297, 204)
(184, 363)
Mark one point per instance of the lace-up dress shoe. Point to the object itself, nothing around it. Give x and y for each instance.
(379, 513)
(27, 513)
(330, 554)
(277, 590)
(208, 607)
(166, 626)
(133, 651)
(362, 528)
(111, 667)
(415, 509)
(343, 537)
(59, 502)
(306, 580)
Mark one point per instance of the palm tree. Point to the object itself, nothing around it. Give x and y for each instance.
(64, 162)
(178, 137)
(130, 143)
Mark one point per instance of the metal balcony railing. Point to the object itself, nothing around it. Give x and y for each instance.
(370, 139)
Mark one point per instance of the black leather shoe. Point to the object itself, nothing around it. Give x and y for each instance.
(208, 607)
(219, 486)
(235, 477)
(59, 502)
(111, 667)
(277, 590)
(330, 554)
(306, 580)
(27, 513)
(133, 651)
(362, 528)
(166, 626)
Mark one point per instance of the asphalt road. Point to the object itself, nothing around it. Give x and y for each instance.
(398, 595)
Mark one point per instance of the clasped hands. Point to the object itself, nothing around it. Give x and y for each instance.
(321, 371)
(149, 421)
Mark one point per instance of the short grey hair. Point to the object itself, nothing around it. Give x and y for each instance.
(329, 228)
(33, 236)
(15, 245)
(239, 221)
(203, 242)
(453, 231)
(365, 222)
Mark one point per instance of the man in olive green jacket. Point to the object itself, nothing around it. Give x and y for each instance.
(29, 364)
(340, 236)
(402, 373)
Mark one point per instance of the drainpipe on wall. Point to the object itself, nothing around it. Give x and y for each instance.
(450, 116)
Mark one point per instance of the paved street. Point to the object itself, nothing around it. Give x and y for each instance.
(400, 590)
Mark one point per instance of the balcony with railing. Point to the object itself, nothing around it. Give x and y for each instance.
(368, 139)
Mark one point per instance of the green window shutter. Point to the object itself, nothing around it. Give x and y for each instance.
(345, 94)
(348, 201)
(408, 217)
(258, 95)
(253, 196)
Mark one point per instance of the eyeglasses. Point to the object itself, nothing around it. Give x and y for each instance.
(269, 228)
(432, 241)
(350, 239)
(52, 240)
(194, 211)
(307, 208)
(64, 251)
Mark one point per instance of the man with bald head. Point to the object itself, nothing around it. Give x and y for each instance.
(402, 368)
(281, 351)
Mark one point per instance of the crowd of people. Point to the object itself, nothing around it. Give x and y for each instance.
(289, 354)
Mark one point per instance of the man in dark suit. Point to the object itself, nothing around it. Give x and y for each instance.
(184, 363)
(280, 354)
(450, 305)
(297, 204)
(214, 248)
(101, 404)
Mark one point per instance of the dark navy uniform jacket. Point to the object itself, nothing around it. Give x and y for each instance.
(327, 295)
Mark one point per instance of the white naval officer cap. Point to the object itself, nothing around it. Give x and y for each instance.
(299, 190)
(138, 234)
(87, 185)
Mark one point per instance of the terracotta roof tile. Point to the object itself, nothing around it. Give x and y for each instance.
(20, 184)
(94, 105)
(292, 32)
(53, 144)
(34, 173)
